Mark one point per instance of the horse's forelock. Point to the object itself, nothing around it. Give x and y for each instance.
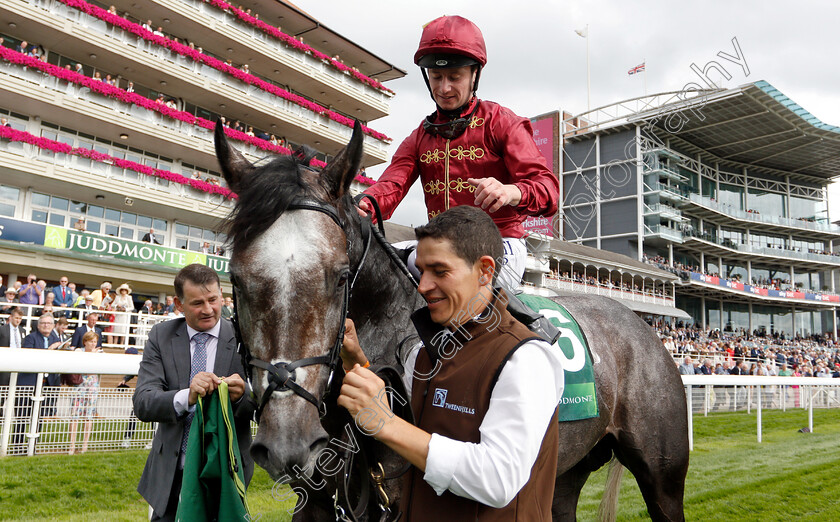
(263, 197)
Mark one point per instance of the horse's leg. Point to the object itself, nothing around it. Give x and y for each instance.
(659, 466)
(567, 492)
(568, 485)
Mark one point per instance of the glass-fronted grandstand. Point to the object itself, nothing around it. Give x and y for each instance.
(107, 126)
(727, 188)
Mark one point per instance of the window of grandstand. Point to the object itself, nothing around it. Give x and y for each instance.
(808, 209)
(62, 212)
(731, 195)
(769, 203)
(193, 238)
(118, 150)
(9, 197)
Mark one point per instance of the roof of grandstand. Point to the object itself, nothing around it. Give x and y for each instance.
(753, 125)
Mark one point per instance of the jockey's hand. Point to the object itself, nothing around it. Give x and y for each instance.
(236, 386)
(364, 208)
(491, 194)
(363, 394)
(203, 384)
(351, 352)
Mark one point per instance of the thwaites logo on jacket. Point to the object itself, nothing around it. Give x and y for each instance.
(439, 400)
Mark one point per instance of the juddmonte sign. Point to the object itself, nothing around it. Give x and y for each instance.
(94, 244)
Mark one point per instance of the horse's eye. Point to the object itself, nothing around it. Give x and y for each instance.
(342, 279)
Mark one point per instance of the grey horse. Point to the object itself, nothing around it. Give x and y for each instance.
(291, 265)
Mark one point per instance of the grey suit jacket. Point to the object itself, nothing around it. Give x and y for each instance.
(164, 370)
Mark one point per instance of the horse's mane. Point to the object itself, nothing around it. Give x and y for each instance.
(265, 194)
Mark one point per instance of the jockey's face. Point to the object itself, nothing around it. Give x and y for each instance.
(454, 290)
(451, 88)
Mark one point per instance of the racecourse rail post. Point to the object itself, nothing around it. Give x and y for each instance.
(811, 409)
(37, 399)
(8, 413)
(758, 413)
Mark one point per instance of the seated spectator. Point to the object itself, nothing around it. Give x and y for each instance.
(9, 301)
(686, 368)
(85, 307)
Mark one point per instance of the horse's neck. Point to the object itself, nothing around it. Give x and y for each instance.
(383, 300)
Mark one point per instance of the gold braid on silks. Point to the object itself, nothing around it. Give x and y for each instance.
(472, 153)
(436, 186)
(436, 155)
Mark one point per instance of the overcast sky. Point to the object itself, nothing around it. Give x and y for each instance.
(537, 64)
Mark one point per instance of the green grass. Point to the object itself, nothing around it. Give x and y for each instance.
(789, 476)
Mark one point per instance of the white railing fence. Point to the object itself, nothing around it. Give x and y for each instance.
(127, 329)
(709, 393)
(40, 419)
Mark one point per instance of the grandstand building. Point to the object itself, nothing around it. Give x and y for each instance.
(108, 114)
(727, 189)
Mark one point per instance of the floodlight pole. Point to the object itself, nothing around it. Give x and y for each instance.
(588, 82)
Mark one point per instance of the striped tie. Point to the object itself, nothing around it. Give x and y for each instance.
(198, 364)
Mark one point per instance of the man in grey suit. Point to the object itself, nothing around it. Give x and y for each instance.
(8, 339)
(182, 360)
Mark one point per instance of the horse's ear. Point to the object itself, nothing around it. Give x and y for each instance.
(339, 174)
(235, 168)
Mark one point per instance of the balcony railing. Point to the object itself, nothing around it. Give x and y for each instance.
(614, 293)
(754, 217)
(286, 107)
(669, 191)
(765, 251)
(87, 167)
(318, 65)
(121, 330)
(664, 232)
(665, 211)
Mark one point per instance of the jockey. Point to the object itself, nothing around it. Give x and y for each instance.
(469, 151)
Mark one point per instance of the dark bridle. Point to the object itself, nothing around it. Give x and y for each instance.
(282, 374)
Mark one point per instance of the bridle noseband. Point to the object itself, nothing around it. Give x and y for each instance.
(282, 374)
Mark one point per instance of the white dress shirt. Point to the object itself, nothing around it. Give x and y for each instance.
(181, 399)
(522, 404)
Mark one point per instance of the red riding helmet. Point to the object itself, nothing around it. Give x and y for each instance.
(451, 41)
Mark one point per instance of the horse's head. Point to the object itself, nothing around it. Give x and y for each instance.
(290, 268)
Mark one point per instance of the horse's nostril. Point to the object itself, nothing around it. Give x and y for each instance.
(260, 454)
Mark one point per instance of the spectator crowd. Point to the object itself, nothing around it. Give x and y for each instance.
(712, 352)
